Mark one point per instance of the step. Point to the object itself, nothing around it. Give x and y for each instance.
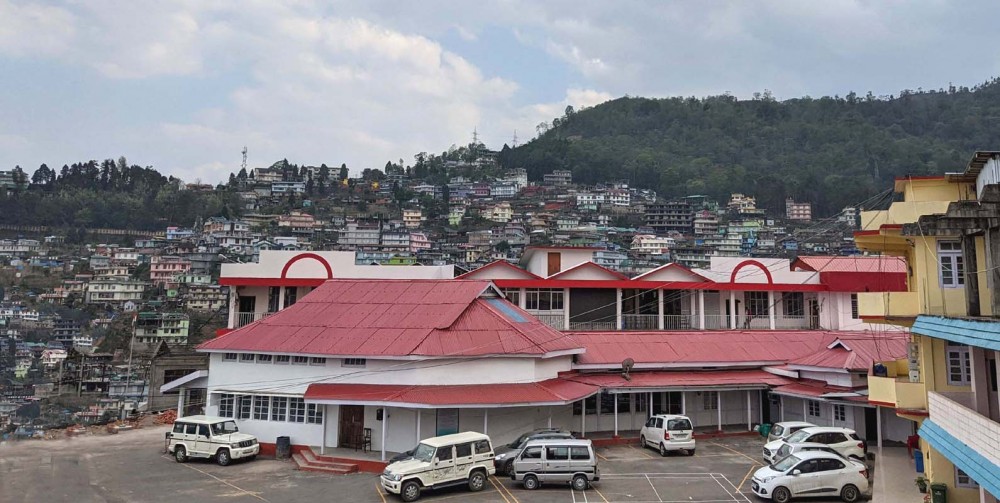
(334, 468)
(314, 459)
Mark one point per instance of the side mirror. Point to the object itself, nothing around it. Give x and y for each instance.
(796, 472)
(437, 461)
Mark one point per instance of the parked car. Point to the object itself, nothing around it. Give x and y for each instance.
(556, 461)
(811, 473)
(668, 432)
(403, 456)
(785, 428)
(445, 461)
(505, 454)
(787, 449)
(843, 440)
(210, 437)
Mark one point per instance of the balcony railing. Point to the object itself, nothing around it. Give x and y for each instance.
(679, 322)
(556, 321)
(952, 413)
(640, 322)
(593, 326)
(243, 319)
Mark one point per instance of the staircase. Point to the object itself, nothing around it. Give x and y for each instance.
(307, 460)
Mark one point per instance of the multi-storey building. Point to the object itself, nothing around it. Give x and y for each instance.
(589, 201)
(165, 269)
(503, 190)
(114, 291)
(419, 242)
(558, 178)
(739, 203)
(501, 212)
(202, 297)
(359, 234)
(947, 230)
(69, 333)
(619, 197)
(171, 328)
(282, 188)
(396, 240)
(649, 244)
(706, 223)
(801, 212)
(670, 216)
(518, 177)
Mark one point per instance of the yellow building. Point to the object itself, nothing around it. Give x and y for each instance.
(948, 384)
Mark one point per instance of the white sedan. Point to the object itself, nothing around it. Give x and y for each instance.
(811, 473)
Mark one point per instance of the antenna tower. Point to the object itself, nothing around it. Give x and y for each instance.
(244, 165)
(514, 140)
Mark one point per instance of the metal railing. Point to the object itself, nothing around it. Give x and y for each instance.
(679, 322)
(593, 326)
(243, 319)
(640, 322)
(556, 321)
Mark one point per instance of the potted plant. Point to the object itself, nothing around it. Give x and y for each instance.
(921, 484)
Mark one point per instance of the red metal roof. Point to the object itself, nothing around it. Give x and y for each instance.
(684, 378)
(672, 265)
(857, 351)
(697, 347)
(372, 318)
(857, 274)
(877, 264)
(557, 391)
(818, 389)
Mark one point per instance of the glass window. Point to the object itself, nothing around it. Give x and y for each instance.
(279, 408)
(827, 465)
(544, 299)
(246, 357)
(314, 413)
(839, 412)
(300, 360)
(678, 425)
(354, 362)
(463, 450)
(483, 446)
(962, 479)
(317, 361)
(757, 304)
(191, 429)
(282, 359)
(854, 306)
(624, 402)
(226, 406)
(809, 466)
(607, 403)
(794, 303)
(445, 453)
(777, 430)
(557, 453)
(710, 400)
(203, 430)
(179, 428)
(296, 410)
(651, 422)
(291, 294)
(264, 358)
(579, 453)
(814, 408)
(951, 264)
(229, 357)
(261, 407)
(244, 407)
(532, 453)
(959, 371)
(513, 295)
(640, 402)
(659, 422)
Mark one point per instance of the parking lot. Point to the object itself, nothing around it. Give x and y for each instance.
(131, 467)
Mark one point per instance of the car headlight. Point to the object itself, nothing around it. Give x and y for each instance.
(500, 456)
(768, 479)
(395, 477)
(235, 445)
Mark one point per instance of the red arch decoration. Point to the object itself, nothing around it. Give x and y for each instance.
(303, 256)
(741, 265)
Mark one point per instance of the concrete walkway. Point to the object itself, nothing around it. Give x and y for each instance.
(894, 475)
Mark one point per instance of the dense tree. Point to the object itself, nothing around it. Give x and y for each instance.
(343, 172)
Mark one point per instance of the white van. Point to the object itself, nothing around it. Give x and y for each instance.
(560, 461)
(210, 437)
(449, 460)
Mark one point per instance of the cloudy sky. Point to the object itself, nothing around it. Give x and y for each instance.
(184, 85)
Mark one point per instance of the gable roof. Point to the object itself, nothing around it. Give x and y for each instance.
(856, 352)
(877, 264)
(671, 266)
(398, 318)
(857, 274)
(498, 264)
(603, 271)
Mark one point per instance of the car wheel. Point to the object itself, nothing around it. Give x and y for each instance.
(223, 457)
(663, 450)
(642, 442)
(477, 481)
(850, 493)
(180, 454)
(580, 483)
(530, 482)
(781, 495)
(690, 452)
(410, 491)
(508, 468)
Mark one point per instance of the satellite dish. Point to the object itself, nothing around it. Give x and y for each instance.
(627, 365)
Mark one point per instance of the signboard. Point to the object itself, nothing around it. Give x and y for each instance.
(447, 421)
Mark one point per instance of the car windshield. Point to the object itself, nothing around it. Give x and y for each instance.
(424, 453)
(519, 442)
(785, 463)
(224, 428)
(798, 436)
(778, 430)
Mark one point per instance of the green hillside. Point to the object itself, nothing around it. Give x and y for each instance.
(832, 151)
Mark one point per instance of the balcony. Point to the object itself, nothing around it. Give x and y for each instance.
(640, 322)
(244, 319)
(889, 304)
(554, 320)
(897, 392)
(952, 413)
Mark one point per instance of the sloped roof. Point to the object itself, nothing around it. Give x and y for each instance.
(857, 274)
(672, 265)
(501, 264)
(851, 264)
(556, 391)
(604, 271)
(857, 351)
(685, 378)
(396, 318)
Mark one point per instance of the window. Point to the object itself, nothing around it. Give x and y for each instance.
(244, 407)
(794, 304)
(951, 265)
(590, 404)
(624, 402)
(445, 453)
(317, 361)
(296, 410)
(291, 295)
(839, 412)
(814, 408)
(607, 403)
(246, 357)
(279, 408)
(300, 360)
(264, 358)
(678, 425)
(513, 295)
(962, 479)
(959, 372)
(229, 357)
(543, 299)
(579, 453)
(757, 304)
(226, 406)
(483, 447)
(314, 413)
(281, 359)
(557, 453)
(854, 306)
(261, 404)
(640, 402)
(828, 465)
(808, 466)
(179, 428)
(710, 400)
(463, 450)
(354, 362)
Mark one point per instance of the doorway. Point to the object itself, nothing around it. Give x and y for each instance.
(871, 424)
(352, 423)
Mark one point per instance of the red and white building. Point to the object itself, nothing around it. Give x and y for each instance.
(165, 269)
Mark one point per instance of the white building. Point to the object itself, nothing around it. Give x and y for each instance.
(114, 291)
(590, 201)
(649, 244)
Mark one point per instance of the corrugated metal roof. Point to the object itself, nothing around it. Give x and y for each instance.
(977, 466)
(874, 264)
(857, 352)
(684, 378)
(979, 333)
(550, 392)
(370, 318)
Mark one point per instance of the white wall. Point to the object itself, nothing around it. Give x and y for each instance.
(539, 261)
(271, 263)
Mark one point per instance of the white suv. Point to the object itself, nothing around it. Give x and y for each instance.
(449, 460)
(843, 440)
(668, 432)
(210, 437)
(811, 473)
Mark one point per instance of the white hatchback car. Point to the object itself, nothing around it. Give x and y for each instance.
(843, 440)
(785, 428)
(811, 473)
(668, 432)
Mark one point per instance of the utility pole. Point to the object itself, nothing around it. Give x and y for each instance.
(128, 372)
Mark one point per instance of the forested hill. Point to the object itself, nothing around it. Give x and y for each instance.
(830, 151)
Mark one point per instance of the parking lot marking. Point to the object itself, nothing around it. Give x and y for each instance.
(379, 491)
(641, 451)
(745, 477)
(500, 489)
(654, 488)
(724, 487)
(752, 460)
(240, 489)
(599, 493)
(602, 457)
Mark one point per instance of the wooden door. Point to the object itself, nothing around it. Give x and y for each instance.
(352, 423)
(555, 263)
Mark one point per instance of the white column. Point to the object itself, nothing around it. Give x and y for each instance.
(980, 380)
(771, 307)
(616, 415)
(749, 412)
(732, 309)
(385, 420)
(618, 308)
(659, 309)
(550, 417)
(684, 404)
(781, 406)
(760, 401)
(520, 299)
(718, 407)
(281, 299)
(180, 401)
(878, 430)
(234, 305)
(701, 309)
(322, 446)
(583, 417)
(694, 307)
(486, 421)
(805, 409)
(419, 413)
(649, 404)
(565, 310)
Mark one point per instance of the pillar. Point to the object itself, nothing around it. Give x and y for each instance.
(486, 421)
(234, 306)
(732, 310)
(616, 408)
(419, 413)
(180, 401)
(749, 413)
(694, 308)
(805, 409)
(718, 407)
(971, 275)
(701, 309)
(771, 305)
(281, 301)
(649, 404)
(878, 430)
(683, 403)
(565, 310)
(781, 407)
(322, 446)
(760, 400)
(385, 421)
(993, 257)
(659, 309)
(520, 298)
(583, 417)
(980, 380)
(550, 417)
(618, 309)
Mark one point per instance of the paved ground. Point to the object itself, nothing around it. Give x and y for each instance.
(131, 467)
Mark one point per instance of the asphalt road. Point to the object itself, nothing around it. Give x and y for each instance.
(131, 467)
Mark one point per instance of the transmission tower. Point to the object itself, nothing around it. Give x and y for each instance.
(244, 165)
(514, 140)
